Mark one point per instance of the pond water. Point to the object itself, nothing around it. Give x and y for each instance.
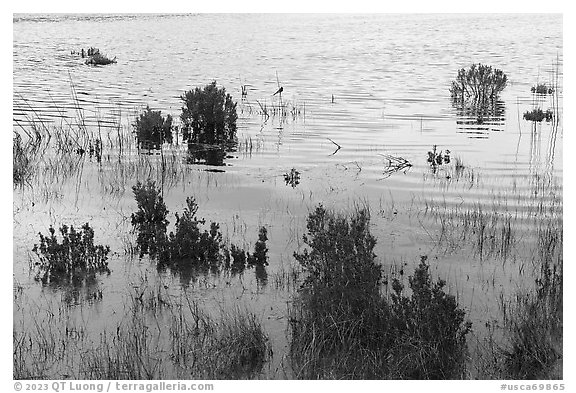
(364, 90)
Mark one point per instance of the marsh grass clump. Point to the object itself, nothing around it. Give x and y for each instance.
(75, 259)
(341, 320)
(152, 128)
(157, 336)
(150, 220)
(537, 115)
(208, 115)
(534, 321)
(480, 83)
(21, 160)
(240, 346)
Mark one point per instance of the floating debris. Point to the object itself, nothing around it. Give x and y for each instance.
(395, 164)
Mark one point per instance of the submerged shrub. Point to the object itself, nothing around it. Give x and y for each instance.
(341, 251)
(97, 58)
(152, 127)
(480, 83)
(208, 115)
(189, 244)
(437, 158)
(74, 259)
(538, 115)
(542, 88)
(237, 259)
(429, 329)
(150, 219)
(342, 326)
(260, 257)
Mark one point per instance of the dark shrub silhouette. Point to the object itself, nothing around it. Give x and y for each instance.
(208, 115)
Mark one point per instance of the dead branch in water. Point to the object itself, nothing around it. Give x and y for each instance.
(395, 164)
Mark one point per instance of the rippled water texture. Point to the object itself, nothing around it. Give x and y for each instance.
(365, 88)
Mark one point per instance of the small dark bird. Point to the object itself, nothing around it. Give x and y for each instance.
(280, 90)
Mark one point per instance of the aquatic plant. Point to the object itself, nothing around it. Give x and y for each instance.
(73, 259)
(341, 320)
(97, 58)
(260, 255)
(152, 128)
(208, 115)
(189, 245)
(292, 178)
(479, 83)
(430, 329)
(437, 158)
(537, 115)
(341, 250)
(542, 88)
(150, 220)
(237, 259)
(191, 343)
(21, 160)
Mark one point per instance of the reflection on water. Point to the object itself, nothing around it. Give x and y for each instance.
(478, 120)
(205, 154)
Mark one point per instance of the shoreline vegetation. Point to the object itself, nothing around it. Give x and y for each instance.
(346, 319)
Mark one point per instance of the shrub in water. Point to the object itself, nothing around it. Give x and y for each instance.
(480, 83)
(341, 250)
(152, 127)
(429, 329)
(538, 115)
(260, 258)
(208, 115)
(542, 88)
(342, 327)
(336, 319)
(239, 258)
(75, 258)
(150, 219)
(97, 58)
(189, 246)
(189, 243)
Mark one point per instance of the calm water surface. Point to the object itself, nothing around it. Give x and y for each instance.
(375, 85)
